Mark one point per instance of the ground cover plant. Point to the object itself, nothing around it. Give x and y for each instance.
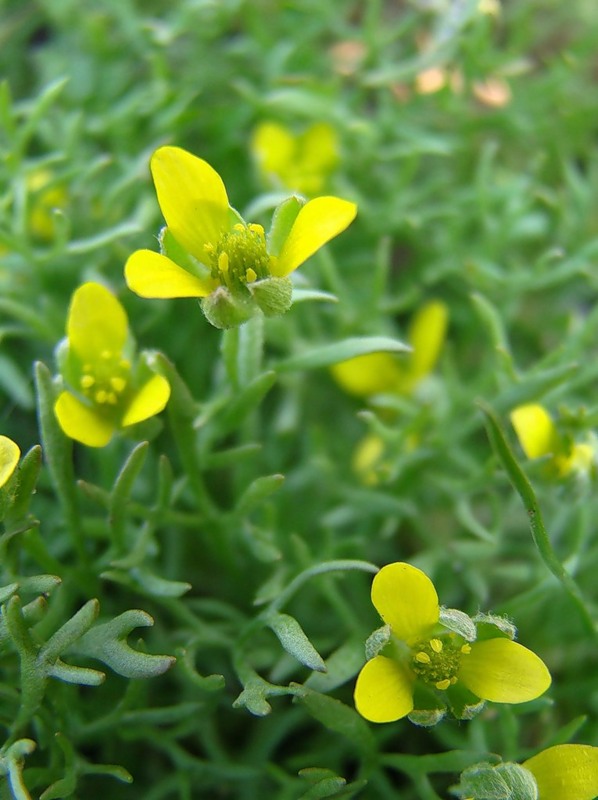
(297, 360)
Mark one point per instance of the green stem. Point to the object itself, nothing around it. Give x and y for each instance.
(539, 534)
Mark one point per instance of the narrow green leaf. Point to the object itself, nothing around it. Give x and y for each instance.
(121, 493)
(327, 354)
(338, 717)
(539, 534)
(294, 640)
(257, 491)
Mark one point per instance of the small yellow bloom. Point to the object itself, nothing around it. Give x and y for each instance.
(298, 163)
(423, 651)
(9, 458)
(566, 772)
(210, 252)
(539, 437)
(106, 391)
(47, 196)
(376, 373)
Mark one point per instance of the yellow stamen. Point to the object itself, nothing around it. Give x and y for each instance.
(251, 275)
(466, 649)
(87, 381)
(101, 396)
(436, 645)
(253, 226)
(442, 685)
(118, 384)
(423, 658)
(239, 227)
(111, 398)
(223, 262)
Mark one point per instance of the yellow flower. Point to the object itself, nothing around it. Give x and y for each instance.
(9, 458)
(210, 252)
(382, 372)
(539, 437)
(47, 196)
(566, 772)
(562, 772)
(299, 163)
(423, 651)
(106, 390)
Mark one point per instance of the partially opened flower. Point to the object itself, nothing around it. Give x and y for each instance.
(106, 389)
(296, 162)
(562, 772)
(9, 458)
(539, 437)
(210, 252)
(376, 373)
(426, 658)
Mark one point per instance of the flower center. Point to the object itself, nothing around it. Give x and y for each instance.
(436, 661)
(240, 256)
(104, 381)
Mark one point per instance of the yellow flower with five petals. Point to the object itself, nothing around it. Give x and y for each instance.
(210, 252)
(9, 458)
(106, 390)
(422, 652)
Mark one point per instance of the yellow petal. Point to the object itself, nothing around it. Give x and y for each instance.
(384, 690)
(319, 148)
(580, 459)
(535, 429)
(192, 197)
(149, 400)
(566, 772)
(318, 222)
(96, 323)
(503, 671)
(82, 423)
(366, 375)
(9, 458)
(406, 600)
(150, 274)
(274, 149)
(426, 335)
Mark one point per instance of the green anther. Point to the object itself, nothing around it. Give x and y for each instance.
(436, 661)
(240, 256)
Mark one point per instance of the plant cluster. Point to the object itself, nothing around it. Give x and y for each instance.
(297, 312)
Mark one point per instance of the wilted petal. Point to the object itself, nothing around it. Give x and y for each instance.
(566, 772)
(150, 399)
(504, 671)
(406, 600)
(96, 324)
(9, 458)
(192, 197)
(318, 222)
(82, 423)
(384, 690)
(150, 274)
(535, 429)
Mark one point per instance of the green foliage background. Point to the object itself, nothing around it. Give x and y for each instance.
(494, 210)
